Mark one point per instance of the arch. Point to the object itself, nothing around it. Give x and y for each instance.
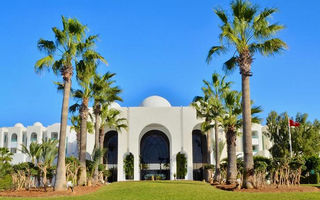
(155, 126)
(199, 153)
(110, 158)
(14, 137)
(155, 155)
(34, 137)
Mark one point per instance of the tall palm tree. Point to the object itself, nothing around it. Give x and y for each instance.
(232, 122)
(61, 56)
(76, 121)
(86, 70)
(247, 32)
(210, 108)
(104, 93)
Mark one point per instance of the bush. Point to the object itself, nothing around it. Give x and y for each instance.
(208, 166)
(181, 166)
(5, 182)
(312, 163)
(311, 179)
(128, 166)
(107, 173)
(101, 167)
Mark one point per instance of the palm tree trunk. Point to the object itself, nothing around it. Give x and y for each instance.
(246, 113)
(208, 171)
(101, 140)
(44, 181)
(217, 156)
(232, 157)
(60, 183)
(97, 144)
(83, 141)
(78, 143)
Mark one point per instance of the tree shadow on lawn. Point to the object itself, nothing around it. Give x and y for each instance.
(180, 182)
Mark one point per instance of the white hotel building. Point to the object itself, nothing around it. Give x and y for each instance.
(156, 133)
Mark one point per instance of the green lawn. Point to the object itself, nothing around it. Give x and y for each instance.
(182, 190)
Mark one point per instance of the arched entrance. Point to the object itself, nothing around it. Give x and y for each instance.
(110, 158)
(199, 154)
(154, 156)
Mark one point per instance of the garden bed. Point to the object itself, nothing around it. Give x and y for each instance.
(39, 192)
(271, 188)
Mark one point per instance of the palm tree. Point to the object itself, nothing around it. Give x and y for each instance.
(61, 55)
(210, 108)
(48, 154)
(111, 119)
(33, 152)
(76, 121)
(232, 122)
(96, 157)
(86, 70)
(247, 33)
(103, 93)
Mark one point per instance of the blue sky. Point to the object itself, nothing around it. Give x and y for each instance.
(156, 48)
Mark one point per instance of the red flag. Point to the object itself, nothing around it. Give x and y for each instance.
(293, 123)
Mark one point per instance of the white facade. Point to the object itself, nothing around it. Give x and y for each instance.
(35, 133)
(154, 114)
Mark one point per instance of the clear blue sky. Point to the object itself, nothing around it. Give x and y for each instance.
(156, 48)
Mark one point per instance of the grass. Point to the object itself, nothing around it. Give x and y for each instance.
(178, 190)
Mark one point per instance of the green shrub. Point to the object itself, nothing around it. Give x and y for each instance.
(5, 182)
(311, 179)
(208, 166)
(158, 177)
(128, 166)
(107, 173)
(101, 167)
(312, 163)
(181, 165)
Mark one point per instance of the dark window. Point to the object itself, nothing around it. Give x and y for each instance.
(154, 155)
(13, 150)
(199, 144)
(154, 148)
(111, 144)
(14, 138)
(34, 137)
(54, 135)
(199, 153)
(111, 157)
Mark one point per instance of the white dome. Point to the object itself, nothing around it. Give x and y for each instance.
(155, 101)
(18, 125)
(115, 105)
(37, 124)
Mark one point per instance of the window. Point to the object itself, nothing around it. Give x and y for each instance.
(255, 134)
(13, 150)
(6, 139)
(54, 135)
(255, 148)
(34, 137)
(14, 137)
(24, 138)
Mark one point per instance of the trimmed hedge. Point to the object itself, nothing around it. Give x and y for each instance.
(5, 182)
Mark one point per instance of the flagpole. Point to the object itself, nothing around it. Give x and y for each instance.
(290, 142)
